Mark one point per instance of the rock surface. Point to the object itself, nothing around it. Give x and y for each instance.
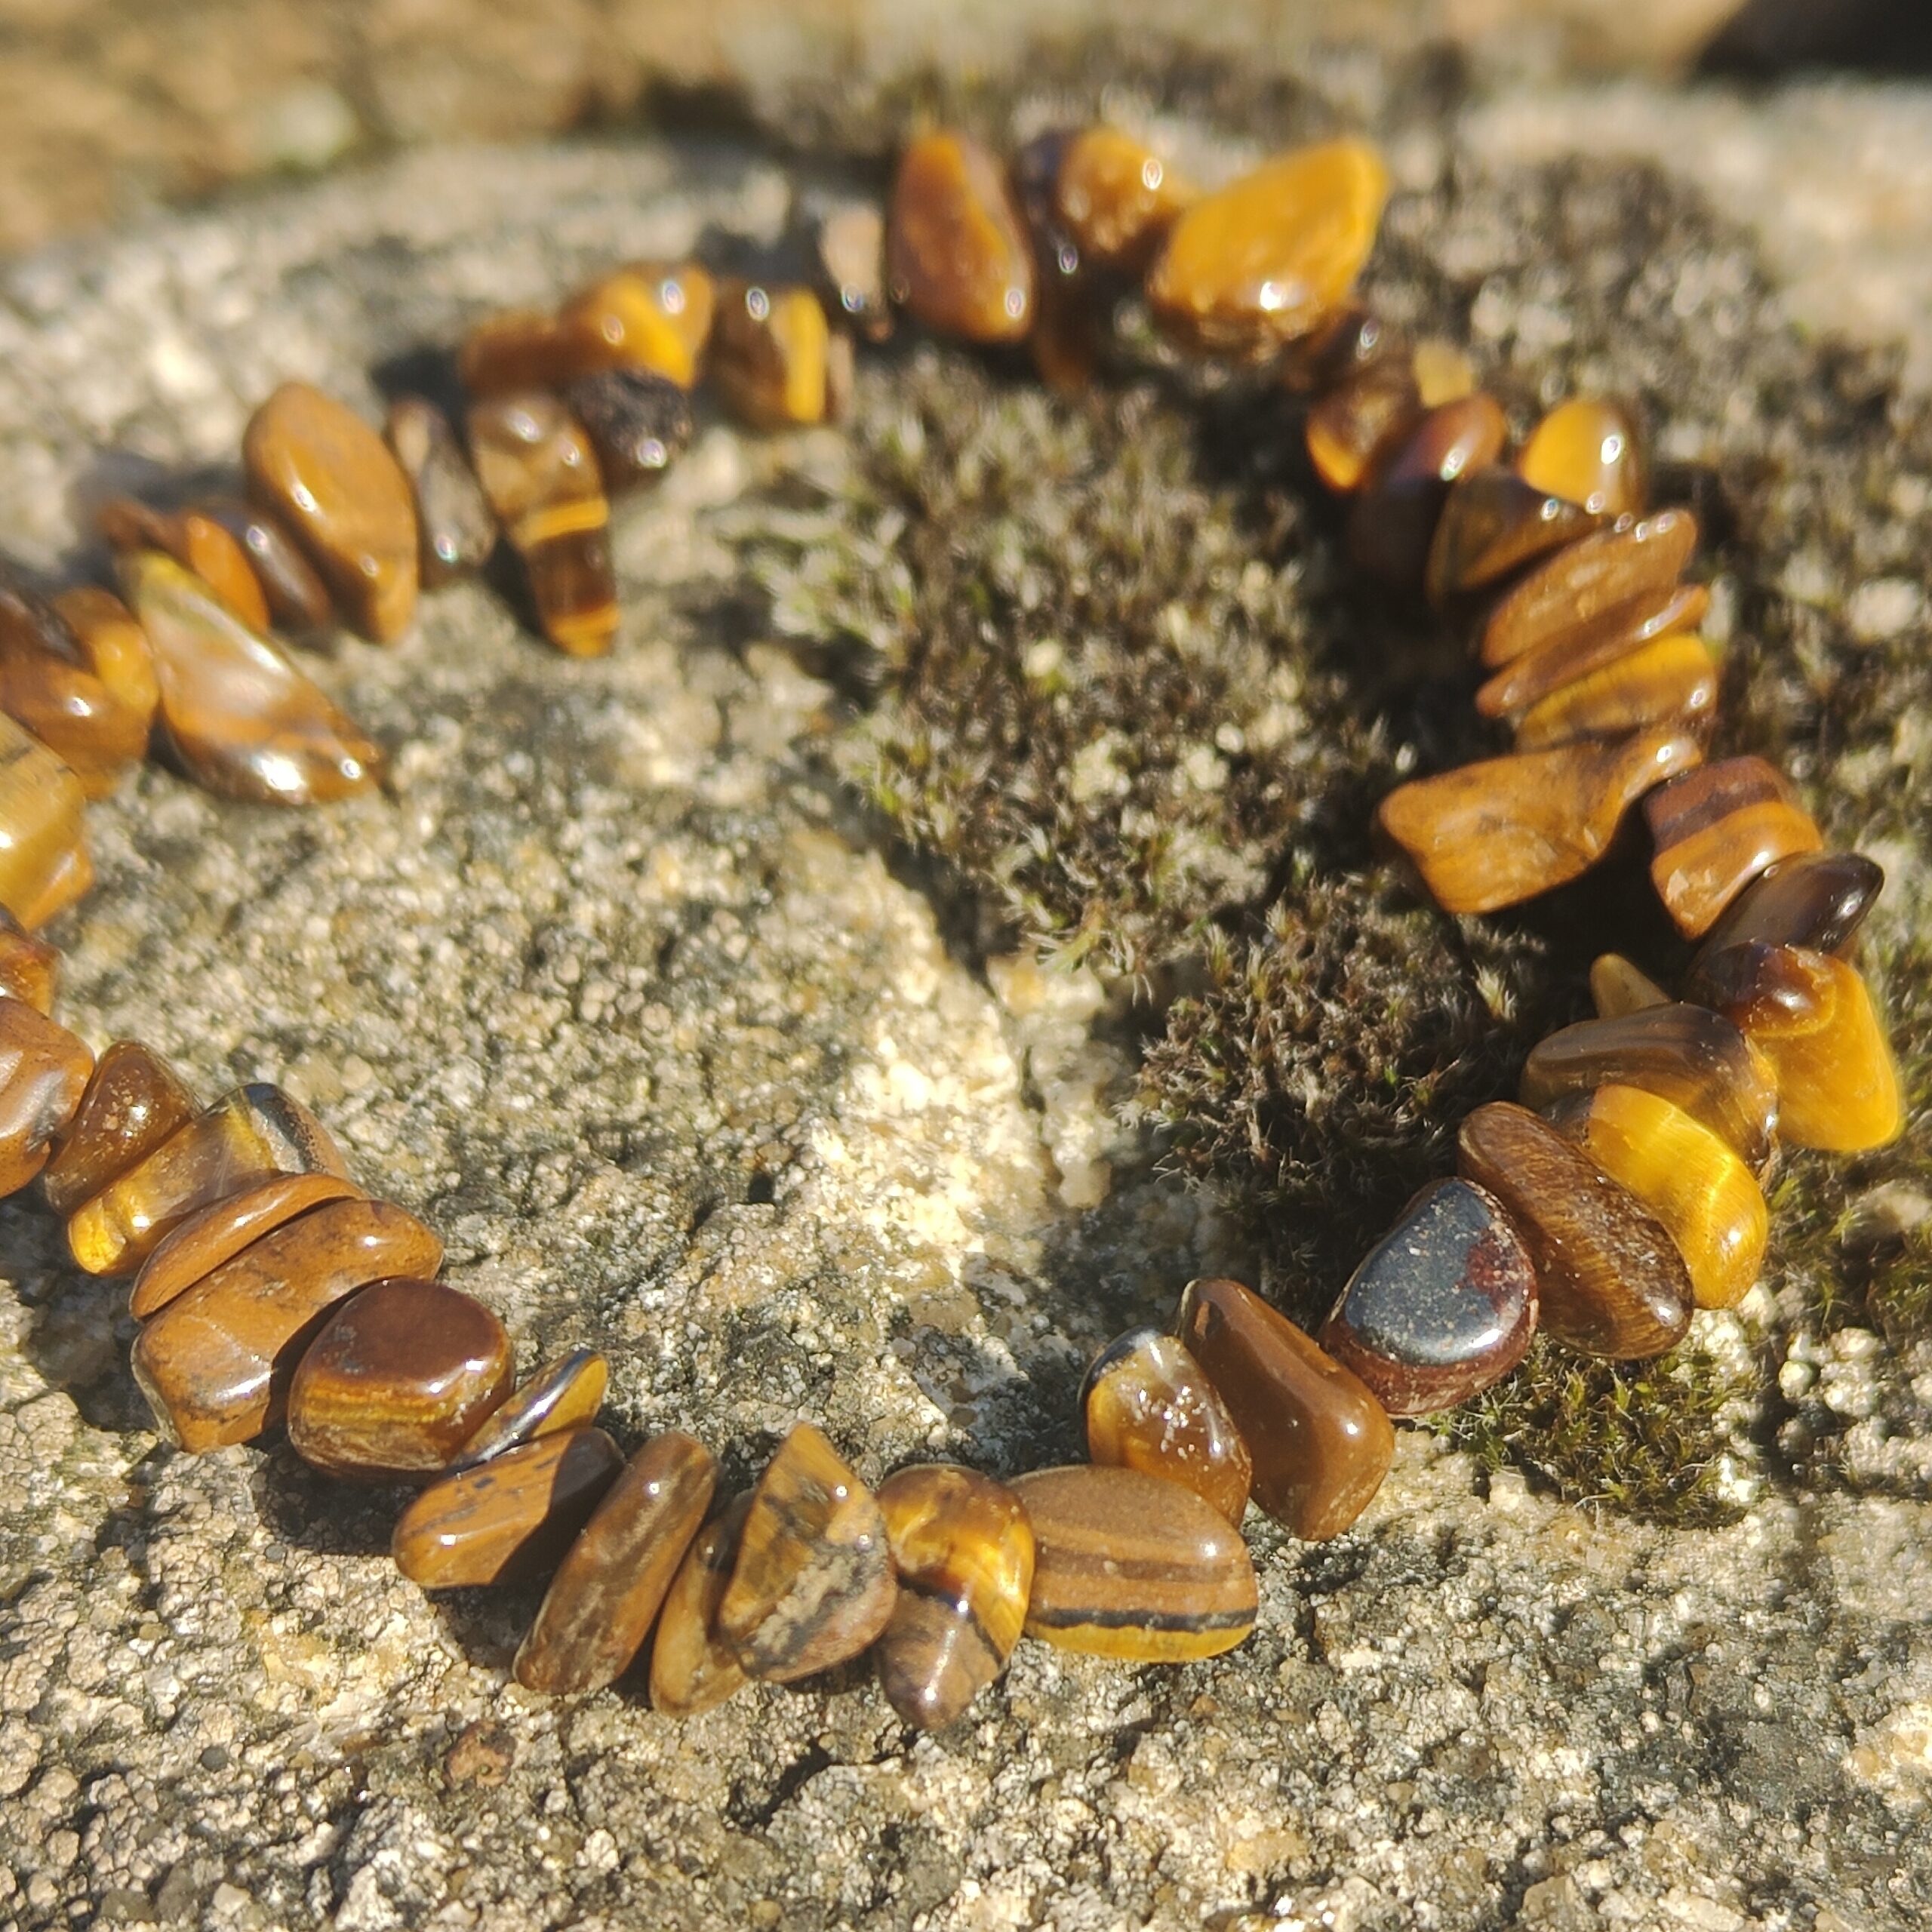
(618, 991)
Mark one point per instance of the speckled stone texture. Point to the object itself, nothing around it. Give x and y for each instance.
(618, 988)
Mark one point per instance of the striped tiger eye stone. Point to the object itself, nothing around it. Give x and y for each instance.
(1502, 830)
(1692, 1057)
(1689, 1178)
(769, 351)
(964, 1551)
(114, 648)
(248, 1136)
(638, 422)
(1116, 197)
(1321, 1442)
(508, 1520)
(30, 968)
(540, 473)
(1603, 641)
(813, 1585)
(1149, 1406)
(653, 315)
(692, 1668)
(516, 349)
(455, 531)
(321, 469)
(397, 1380)
(564, 1394)
(44, 1071)
(1817, 899)
(44, 863)
(243, 719)
(1610, 1280)
(48, 688)
(1673, 681)
(1393, 518)
(1351, 427)
(215, 1363)
(1715, 830)
(1270, 257)
(133, 1103)
(1586, 450)
(957, 257)
(613, 1578)
(1441, 1307)
(197, 543)
(299, 601)
(1495, 523)
(1619, 989)
(1810, 1015)
(1126, 1565)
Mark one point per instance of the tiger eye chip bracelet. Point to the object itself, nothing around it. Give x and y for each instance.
(1620, 1192)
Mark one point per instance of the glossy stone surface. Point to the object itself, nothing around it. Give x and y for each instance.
(963, 1548)
(1320, 1442)
(1116, 197)
(1393, 520)
(1810, 1015)
(692, 1668)
(1673, 681)
(653, 315)
(397, 1380)
(215, 1363)
(50, 689)
(44, 1071)
(1368, 412)
(769, 351)
(244, 721)
(30, 968)
(1149, 1406)
(1715, 830)
(1688, 1055)
(1587, 578)
(455, 531)
(813, 1585)
(564, 1394)
(1618, 988)
(249, 1135)
(508, 1520)
(1689, 1179)
(1268, 258)
(134, 1102)
(1504, 829)
(199, 1245)
(196, 542)
(1495, 523)
(1441, 1307)
(540, 473)
(1587, 450)
(520, 349)
(328, 476)
(114, 648)
(298, 600)
(44, 862)
(1603, 641)
(638, 423)
(1817, 899)
(1610, 1280)
(848, 248)
(957, 256)
(613, 1578)
(1126, 1565)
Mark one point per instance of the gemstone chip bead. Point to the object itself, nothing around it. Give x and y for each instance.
(1149, 1406)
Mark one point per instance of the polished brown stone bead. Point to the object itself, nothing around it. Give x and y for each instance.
(1393, 519)
(1690, 1056)
(331, 479)
(613, 1579)
(1126, 1565)
(956, 252)
(1352, 339)
(848, 247)
(215, 1363)
(1441, 1307)
(1691, 1179)
(1495, 523)
(1353, 425)
(44, 1071)
(540, 475)
(30, 968)
(114, 648)
(654, 315)
(1586, 450)
(455, 531)
(134, 1102)
(517, 349)
(564, 1394)
(638, 423)
(1270, 257)
(964, 1550)
(813, 1584)
(692, 1668)
(50, 689)
(299, 602)
(1610, 1280)
(248, 1136)
(769, 347)
(1810, 1015)
(1817, 899)
(244, 721)
(44, 862)
(197, 543)
(397, 1380)
(509, 1519)
(1149, 1406)
(1603, 642)
(1673, 681)
(1320, 1441)
(1715, 830)
(1504, 829)
(1619, 989)
(199, 1245)
(1586, 578)
(1116, 197)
